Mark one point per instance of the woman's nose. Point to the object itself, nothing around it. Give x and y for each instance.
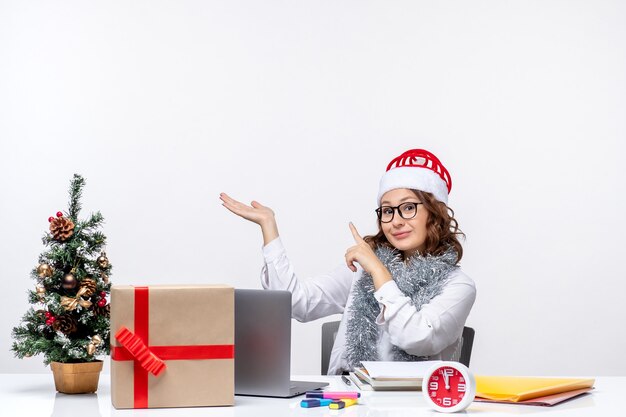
(397, 220)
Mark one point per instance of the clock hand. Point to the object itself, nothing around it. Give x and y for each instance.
(446, 378)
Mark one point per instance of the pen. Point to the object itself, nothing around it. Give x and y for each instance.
(333, 395)
(346, 380)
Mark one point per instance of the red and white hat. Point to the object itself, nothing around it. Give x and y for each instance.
(417, 169)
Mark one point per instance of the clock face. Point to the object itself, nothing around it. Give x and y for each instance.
(447, 387)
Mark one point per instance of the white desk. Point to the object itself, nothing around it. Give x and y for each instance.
(34, 395)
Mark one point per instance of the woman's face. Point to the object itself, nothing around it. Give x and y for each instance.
(407, 235)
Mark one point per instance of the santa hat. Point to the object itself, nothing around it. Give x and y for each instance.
(417, 169)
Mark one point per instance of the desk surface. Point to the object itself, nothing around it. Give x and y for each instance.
(34, 395)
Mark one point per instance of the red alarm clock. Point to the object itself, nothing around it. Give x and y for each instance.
(449, 387)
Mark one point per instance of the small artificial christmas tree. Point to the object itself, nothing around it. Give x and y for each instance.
(70, 320)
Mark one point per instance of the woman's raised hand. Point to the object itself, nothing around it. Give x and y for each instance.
(256, 213)
(362, 253)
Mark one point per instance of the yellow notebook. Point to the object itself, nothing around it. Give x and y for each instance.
(518, 388)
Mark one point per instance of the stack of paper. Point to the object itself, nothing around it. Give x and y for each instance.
(364, 382)
(385, 375)
(530, 390)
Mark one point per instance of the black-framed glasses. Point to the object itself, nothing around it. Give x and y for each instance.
(406, 210)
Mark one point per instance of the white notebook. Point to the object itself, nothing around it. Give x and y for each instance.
(381, 370)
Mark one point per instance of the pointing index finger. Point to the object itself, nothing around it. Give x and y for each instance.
(355, 234)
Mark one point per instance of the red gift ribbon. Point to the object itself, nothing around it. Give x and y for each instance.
(140, 352)
(148, 358)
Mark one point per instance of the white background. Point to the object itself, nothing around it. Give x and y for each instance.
(161, 105)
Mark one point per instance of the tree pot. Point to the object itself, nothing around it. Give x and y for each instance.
(76, 378)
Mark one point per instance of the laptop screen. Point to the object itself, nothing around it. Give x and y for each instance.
(262, 342)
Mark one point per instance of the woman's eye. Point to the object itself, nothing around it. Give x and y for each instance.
(409, 208)
(387, 210)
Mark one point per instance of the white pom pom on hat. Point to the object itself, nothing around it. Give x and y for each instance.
(417, 169)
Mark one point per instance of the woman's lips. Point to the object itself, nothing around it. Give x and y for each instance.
(401, 235)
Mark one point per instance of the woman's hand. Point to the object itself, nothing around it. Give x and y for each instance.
(365, 256)
(256, 213)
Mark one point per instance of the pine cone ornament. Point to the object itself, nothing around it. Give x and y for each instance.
(102, 311)
(89, 286)
(61, 228)
(65, 324)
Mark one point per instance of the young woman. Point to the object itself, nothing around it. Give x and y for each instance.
(402, 294)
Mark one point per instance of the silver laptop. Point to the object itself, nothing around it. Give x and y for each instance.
(263, 345)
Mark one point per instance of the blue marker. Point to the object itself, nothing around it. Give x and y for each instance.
(315, 402)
